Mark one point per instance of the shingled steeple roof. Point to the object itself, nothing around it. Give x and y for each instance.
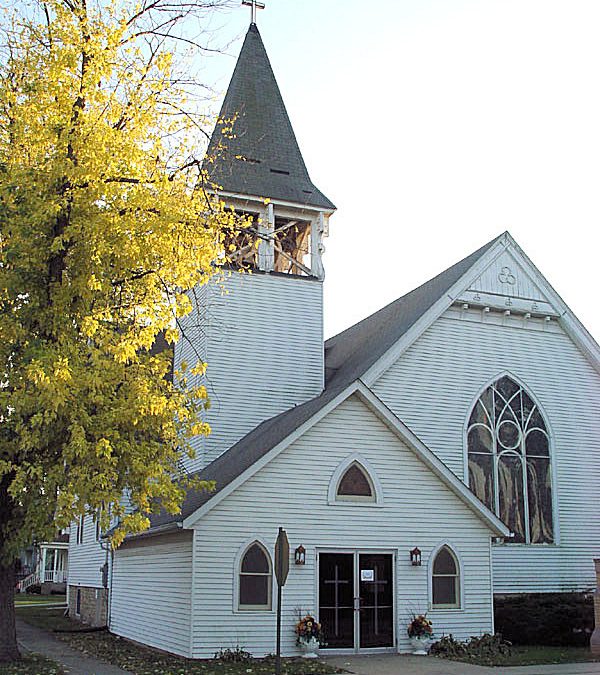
(262, 158)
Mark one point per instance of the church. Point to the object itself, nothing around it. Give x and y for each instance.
(440, 452)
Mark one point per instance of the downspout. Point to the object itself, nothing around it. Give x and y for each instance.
(110, 587)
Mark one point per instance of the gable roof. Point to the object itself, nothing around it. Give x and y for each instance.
(271, 437)
(351, 358)
(262, 157)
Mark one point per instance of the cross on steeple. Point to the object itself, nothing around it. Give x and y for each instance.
(254, 4)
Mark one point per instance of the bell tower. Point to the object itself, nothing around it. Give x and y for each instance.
(261, 328)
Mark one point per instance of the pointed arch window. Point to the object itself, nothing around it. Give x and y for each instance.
(355, 485)
(445, 580)
(255, 578)
(509, 460)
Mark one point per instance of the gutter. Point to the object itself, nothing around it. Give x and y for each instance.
(155, 531)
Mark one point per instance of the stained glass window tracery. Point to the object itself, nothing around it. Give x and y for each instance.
(509, 460)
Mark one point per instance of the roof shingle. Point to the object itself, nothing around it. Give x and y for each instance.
(262, 158)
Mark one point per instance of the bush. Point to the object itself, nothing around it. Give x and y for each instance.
(485, 647)
(237, 655)
(558, 619)
(34, 589)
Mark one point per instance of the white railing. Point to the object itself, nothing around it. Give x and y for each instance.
(49, 576)
(25, 583)
(55, 576)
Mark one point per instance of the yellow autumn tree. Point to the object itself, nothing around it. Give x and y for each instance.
(104, 225)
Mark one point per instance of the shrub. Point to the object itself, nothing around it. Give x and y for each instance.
(237, 655)
(484, 647)
(559, 619)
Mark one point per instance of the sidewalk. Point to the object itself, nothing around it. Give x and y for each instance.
(392, 664)
(36, 640)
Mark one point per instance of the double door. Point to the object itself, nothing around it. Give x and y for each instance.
(356, 600)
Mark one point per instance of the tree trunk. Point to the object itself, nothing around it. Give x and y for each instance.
(8, 635)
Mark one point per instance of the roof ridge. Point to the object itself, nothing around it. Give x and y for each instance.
(425, 284)
(349, 354)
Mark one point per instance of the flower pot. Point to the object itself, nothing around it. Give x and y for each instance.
(309, 648)
(420, 644)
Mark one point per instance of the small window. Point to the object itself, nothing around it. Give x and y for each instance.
(80, 529)
(355, 485)
(98, 526)
(255, 579)
(445, 580)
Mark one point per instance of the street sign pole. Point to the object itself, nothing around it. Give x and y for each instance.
(282, 567)
(278, 653)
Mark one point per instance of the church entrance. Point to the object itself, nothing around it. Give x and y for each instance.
(356, 600)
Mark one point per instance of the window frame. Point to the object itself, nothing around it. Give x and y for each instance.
(495, 455)
(376, 498)
(237, 604)
(80, 524)
(458, 587)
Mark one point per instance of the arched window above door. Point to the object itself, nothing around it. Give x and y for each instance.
(355, 484)
(354, 481)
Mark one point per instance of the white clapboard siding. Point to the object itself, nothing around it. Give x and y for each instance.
(432, 387)
(85, 559)
(291, 491)
(262, 337)
(151, 592)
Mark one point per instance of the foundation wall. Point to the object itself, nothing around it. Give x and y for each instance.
(595, 641)
(91, 607)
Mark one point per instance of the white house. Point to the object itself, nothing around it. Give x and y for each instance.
(43, 565)
(461, 419)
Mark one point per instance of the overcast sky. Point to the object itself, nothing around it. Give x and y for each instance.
(435, 125)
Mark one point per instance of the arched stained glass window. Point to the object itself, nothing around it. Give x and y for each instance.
(509, 460)
(445, 580)
(255, 578)
(355, 484)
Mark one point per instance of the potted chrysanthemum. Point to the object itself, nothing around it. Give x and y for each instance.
(420, 632)
(309, 636)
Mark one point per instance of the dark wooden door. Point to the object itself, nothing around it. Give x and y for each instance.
(336, 599)
(376, 600)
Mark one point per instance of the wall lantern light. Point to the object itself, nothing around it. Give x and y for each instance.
(300, 555)
(415, 557)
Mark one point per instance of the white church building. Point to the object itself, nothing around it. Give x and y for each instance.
(461, 420)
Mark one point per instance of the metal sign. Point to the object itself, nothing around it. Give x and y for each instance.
(282, 557)
(282, 567)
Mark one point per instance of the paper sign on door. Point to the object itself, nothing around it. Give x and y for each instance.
(367, 575)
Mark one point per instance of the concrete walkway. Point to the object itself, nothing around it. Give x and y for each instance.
(392, 664)
(32, 639)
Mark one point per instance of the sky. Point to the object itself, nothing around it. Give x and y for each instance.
(435, 125)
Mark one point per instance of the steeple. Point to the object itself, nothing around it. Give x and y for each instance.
(260, 333)
(262, 158)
